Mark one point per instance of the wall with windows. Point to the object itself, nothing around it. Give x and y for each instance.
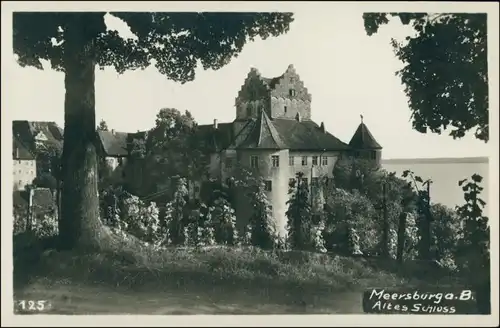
(272, 166)
(312, 164)
(24, 173)
(276, 168)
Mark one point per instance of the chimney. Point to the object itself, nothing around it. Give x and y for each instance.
(322, 127)
(216, 124)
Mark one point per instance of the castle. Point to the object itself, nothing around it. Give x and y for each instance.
(274, 136)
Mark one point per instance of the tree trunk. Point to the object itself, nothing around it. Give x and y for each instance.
(401, 237)
(385, 223)
(80, 224)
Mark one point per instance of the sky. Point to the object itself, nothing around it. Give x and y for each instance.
(347, 72)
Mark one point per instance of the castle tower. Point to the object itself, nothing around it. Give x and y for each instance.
(364, 144)
(260, 149)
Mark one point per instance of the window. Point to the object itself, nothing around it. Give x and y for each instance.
(254, 162)
(291, 160)
(229, 182)
(20, 182)
(292, 93)
(291, 181)
(196, 189)
(340, 155)
(304, 180)
(285, 108)
(229, 162)
(268, 185)
(324, 160)
(315, 160)
(373, 155)
(315, 182)
(304, 160)
(249, 110)
(276, 160)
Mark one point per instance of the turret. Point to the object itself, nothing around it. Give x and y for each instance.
(364, 144)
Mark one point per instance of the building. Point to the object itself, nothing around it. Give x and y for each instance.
(24, 165)
(115, 148)
(364, 144)
(273, 135)
(29, 139)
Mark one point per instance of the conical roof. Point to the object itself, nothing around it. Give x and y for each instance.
(261, 134)
(363, 139)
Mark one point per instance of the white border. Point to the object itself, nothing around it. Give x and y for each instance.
(228, 320)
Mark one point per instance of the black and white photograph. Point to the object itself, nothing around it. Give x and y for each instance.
(178, 159)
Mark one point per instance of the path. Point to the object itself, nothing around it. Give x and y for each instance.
(70, 299)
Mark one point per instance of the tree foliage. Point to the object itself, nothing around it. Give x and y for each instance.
(262, 227)
(174, 146)
(77, 42)
(473, 254)
(299, 213)
(351, 225)
(445, 71)
(103, 126)
(174, 42)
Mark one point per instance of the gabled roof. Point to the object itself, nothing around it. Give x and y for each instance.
(216, 139)
(259, 134)
(266, 133)
(29, 133)
(363, 139)
(114, 143)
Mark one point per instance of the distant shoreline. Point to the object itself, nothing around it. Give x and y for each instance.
(437, 160)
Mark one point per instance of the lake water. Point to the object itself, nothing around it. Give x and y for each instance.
(445, 174)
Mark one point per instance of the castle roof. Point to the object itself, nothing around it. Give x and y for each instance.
(363, 139)
(259, 134)
(264, 133)
(113, 143)
(116, 144)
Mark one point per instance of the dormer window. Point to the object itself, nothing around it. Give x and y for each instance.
(292, 92)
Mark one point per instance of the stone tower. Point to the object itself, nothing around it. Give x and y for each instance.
(364, 144)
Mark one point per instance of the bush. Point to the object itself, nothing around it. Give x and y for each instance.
(350, 225)
(45, 225)
(199, 230)
(300, 225)
(126, 212)
(224, 222)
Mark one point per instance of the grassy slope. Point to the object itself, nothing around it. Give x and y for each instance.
(212, 280)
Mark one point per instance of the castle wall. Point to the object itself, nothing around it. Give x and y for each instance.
(279, 178)
(252, 97)
(289, 97)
